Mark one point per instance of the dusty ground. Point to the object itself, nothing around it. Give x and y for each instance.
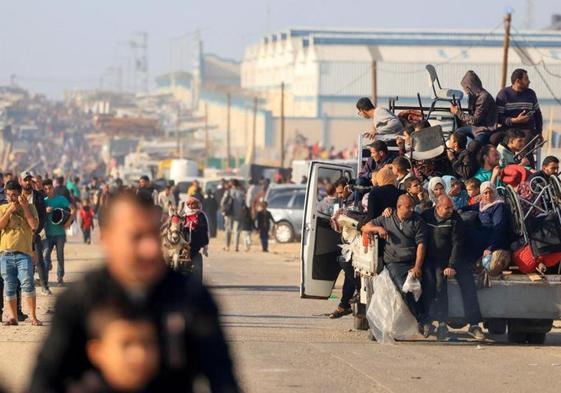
(282, 343)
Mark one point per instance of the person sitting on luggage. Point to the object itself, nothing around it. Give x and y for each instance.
(401, 168)
(481, 118)
(405, 234)
(492, 233)
(472, 189)
(512, 145)
(445, 241)
(386, 125)
(550, 167)
(453, 188)
(462, 156)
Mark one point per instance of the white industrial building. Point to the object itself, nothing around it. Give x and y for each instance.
(325, 71)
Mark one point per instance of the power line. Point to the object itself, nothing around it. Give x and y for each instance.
(449, 60)
(536, 68)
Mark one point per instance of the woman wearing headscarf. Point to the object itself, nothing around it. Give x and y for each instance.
(435, 188)
(492, 233)
(195, 230)
(453, 188)
(383, 195)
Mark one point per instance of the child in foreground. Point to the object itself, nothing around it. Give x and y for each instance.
(123, 348)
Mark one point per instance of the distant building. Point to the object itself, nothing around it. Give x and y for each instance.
(325, 70)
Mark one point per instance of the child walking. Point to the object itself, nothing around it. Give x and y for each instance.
(263, 220)
(87, 219)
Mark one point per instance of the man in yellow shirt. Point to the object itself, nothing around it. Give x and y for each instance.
(18, 220)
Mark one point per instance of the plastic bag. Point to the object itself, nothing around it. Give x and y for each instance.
(73, 230)
(413, 285)
(388, 315)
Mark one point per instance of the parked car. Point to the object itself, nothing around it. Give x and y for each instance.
(286, 204)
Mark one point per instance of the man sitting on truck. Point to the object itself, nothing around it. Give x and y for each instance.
(404, 251)
(386, 125)
(444, 239)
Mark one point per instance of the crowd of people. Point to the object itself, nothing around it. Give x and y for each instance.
(130, 325)
(443, 217)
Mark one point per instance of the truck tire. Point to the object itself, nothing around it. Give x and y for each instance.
(517, 337)
(536, 338)
(496, 326)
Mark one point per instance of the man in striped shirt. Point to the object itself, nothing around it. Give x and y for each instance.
(518, 105)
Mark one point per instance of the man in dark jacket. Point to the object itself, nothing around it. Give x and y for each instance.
(481, 118)
(445, 232)
(37, 199)
(189, 334)
(464, 161)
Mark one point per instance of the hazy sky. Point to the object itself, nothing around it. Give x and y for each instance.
(52, 45)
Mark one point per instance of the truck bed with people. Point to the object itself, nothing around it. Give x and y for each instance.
(460, 221)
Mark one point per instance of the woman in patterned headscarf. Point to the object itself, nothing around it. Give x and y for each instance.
(196, 232)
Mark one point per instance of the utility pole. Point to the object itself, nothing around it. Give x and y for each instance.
(207, 154)
(177, 126)
(506, 45)
(374, 83)
(228, 153)
(282, 127)
(254, 130)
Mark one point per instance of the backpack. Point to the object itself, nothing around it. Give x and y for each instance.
(227, 204)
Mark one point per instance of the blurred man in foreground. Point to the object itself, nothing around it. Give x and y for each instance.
(186, 318)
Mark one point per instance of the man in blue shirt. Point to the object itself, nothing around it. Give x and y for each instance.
(56, 231)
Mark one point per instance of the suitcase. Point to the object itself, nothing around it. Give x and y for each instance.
(527, 262)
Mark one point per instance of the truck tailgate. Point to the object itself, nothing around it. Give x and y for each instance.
(516, 296)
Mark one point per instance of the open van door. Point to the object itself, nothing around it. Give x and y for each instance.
(319, 249)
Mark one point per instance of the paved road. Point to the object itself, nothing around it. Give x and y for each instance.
(282, 343)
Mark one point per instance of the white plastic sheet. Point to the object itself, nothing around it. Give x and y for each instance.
(388, 315)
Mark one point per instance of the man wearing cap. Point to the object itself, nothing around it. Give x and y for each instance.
(55, 231)
(36, 199)
(18, 220)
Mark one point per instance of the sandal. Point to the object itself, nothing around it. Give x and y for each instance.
(340, 312)
(36, 322)
(11, 322)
